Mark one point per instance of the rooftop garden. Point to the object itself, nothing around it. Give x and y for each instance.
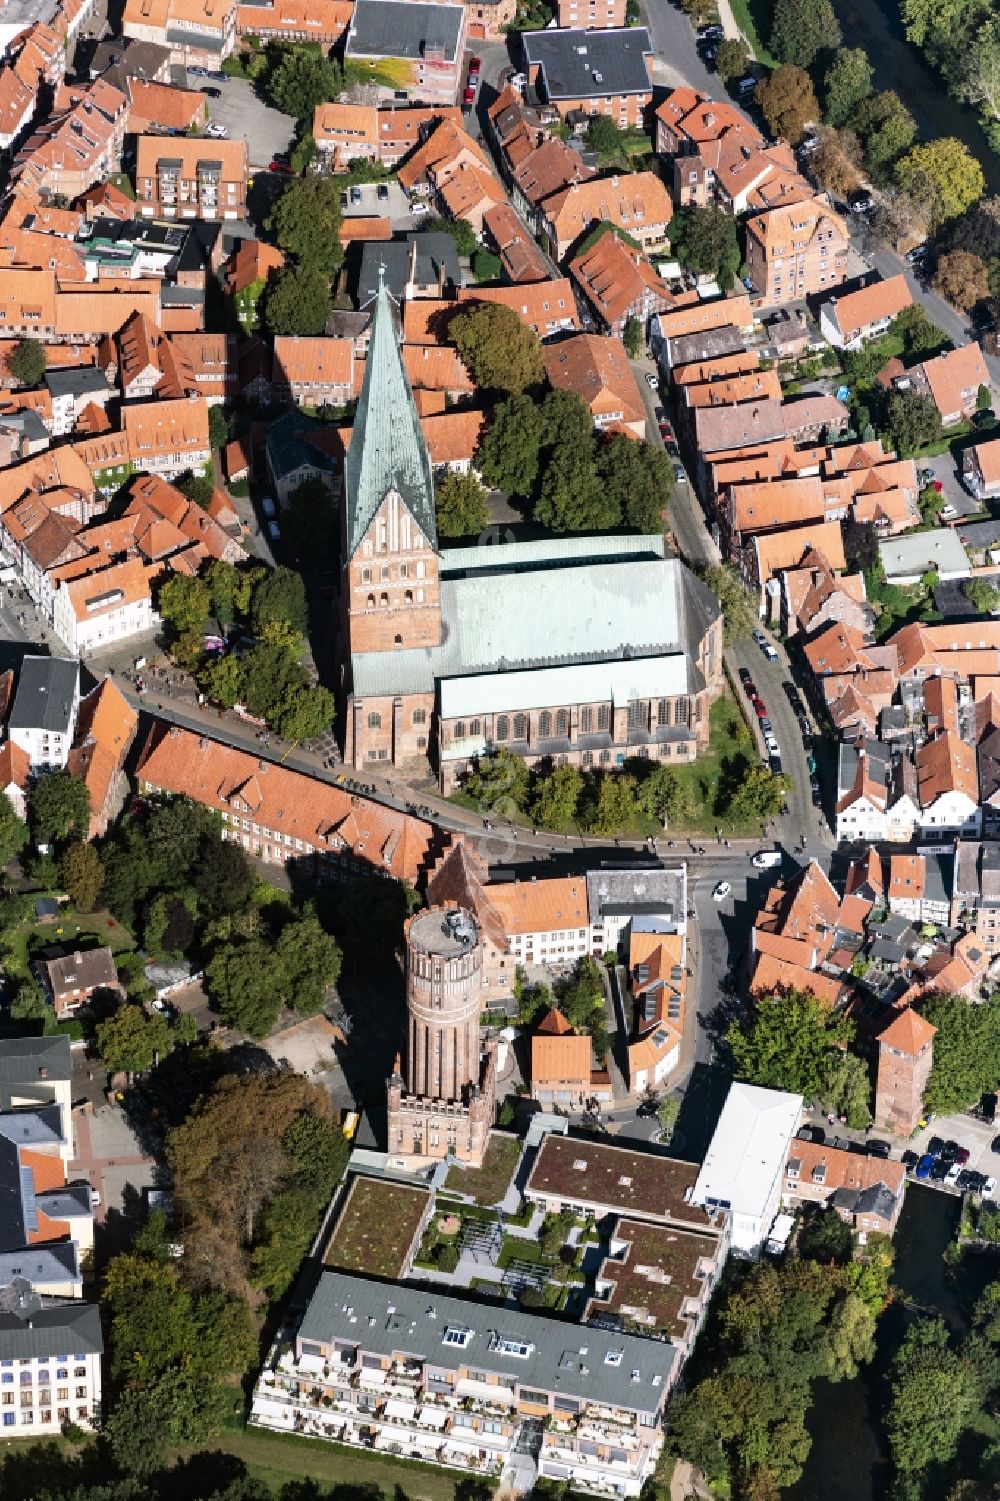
(488, 1184)
(376, 1229)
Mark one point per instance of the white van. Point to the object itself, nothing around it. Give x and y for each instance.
(767, 860)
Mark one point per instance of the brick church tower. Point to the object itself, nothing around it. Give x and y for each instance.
(905, 1055)
(441, 1101)
(390, 588)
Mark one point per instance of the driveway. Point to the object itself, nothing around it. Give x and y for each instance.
(393, 204)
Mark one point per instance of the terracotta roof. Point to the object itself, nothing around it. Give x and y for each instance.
(597, 370)
(102, 311)
(549, 167)
(314, 361)
(313, 18)
(907, 877)
(772, 976)
(543, 305)
(561, 1057)
(440, 154)
(15, 765)
(844, 1169)
(780, 502)
(154, 428)
(855, 311)
(520, 256)
(635, 202)
(288, 802)
(541, 906)
(188, 151)
(617, 279)
(109, 588)
(946, 764)
(779, 550)
(105, 730)
(454, 436)
(908, 1032)
(954, 378)
(160, 104)
(988, 458)
(436, 368)
(751, 385)
(794, 225)
(355, 124)
(352, 229)
(252, 261)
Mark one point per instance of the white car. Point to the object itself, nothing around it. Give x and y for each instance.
(418, 208)
(161, 1007)
(766, 859)
(652, 382)
(218, 132)
(721, 891)
(989, 1188)
(952, 1175)
(947, 513)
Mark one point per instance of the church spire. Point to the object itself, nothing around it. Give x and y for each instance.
(387, 449)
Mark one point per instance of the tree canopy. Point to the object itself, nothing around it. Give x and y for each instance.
(460, 505)
(801, 29)
(738, 617)
(130, 1041)
(26, 362)
(788, 101)
(305, 223)
(302, 79)
(942, 174)
(848, 80)
(501, 351)
(58, 807)
(82, 875)
(298, 300)
(705, 240)
(793, 1041)
(966, 1052)
(13, 832)
(250, 978)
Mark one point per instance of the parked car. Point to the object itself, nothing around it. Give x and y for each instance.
(355, 193)
(939, 1171)
(989, 1188)
(995, 1145)
(680, 474)
(212, 93)
(744, 675)
(923, 1169)
(950, 1150)
(382, 192)
(652, 381)
(274, 531)
(721, 891)
(880, 1149)
(746, 87)
(217, 132)
(814, 792)
(671, 446)
(805, 727)
(962, 1156)
(910, 1160)
(419, 208)
(469, 96)
(951, 1177)
(767, 859)
(815, 1134)
(267, 506)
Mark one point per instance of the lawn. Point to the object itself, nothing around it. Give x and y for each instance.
(489, 1183)
(87, 929)
(744, 14)
(729, 740)
(376, 1228)
(277, 1458)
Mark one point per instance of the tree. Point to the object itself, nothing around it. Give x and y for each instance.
(788, 101)
(860, 546)
(30, 1004)
(82, 875)
(826, 1237)
(305, 223)
(26, 363)
(184, 603)
(244, 987)
(460, 505)
(849, 1091)
(789, 1042)
(223, 883)
(962, 278)
(632, 336)
(510, 448)
(603, 135)
(801, 29)
(13, 833)
(302, 80)
(198, 487)
(912, 422)
(499, 783)
(737, 612)
(918, 333)
(933, 1395)
(309, 961)
(555, 796)
(231, 589)
(280, 596)
(572, 498)
(460, 230)
(944, 174)
(271, 674)
(298, 299)
(887, 129)
(705, 241)
(502, 353)
(58, 806)
(303, 713)
(848, 80)
(218, 428)
(169, 926)
(966, 1052)
(731, 58)
(616, 804)
(129, 1042)
(638, 479)
(836, 162)
(982, 595)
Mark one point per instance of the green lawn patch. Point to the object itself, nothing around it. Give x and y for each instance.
(277, 1458)
(744, 16)
(488, 1184)
(515, 1248)
(729, 742)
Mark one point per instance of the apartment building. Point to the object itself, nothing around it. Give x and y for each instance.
(637, 203)
(981, 469)
(607, 72)
(105, 729)
(796, 251)
(181, 177)
(409, 50)
(50, 1364)
(975, 895)
(78, 145)
(462, 1384)
(548, 307)
(561, 1073)
(199, 33)
(920, 886)
(167, 437)
(322, 22)
(619, 283)
(44, 713)
(591, 15)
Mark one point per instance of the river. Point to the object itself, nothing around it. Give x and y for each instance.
(875, 25)
(847, 1461)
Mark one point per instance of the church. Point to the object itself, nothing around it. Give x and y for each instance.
(586, 650)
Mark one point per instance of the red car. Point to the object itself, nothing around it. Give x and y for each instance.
(279, 166)
(469, 97)
(474, 68)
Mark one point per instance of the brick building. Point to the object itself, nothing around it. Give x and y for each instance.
(442, 1097)
(592, 72)
(424, 630)
(796, 251)
(191, 178)
(905, 1055)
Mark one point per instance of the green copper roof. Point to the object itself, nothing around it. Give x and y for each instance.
(387, 449)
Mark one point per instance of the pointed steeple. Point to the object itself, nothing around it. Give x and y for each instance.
(387, 449)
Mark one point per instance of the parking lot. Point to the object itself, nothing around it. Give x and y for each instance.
(393, 204)
(247, 117)
(975, 1136)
